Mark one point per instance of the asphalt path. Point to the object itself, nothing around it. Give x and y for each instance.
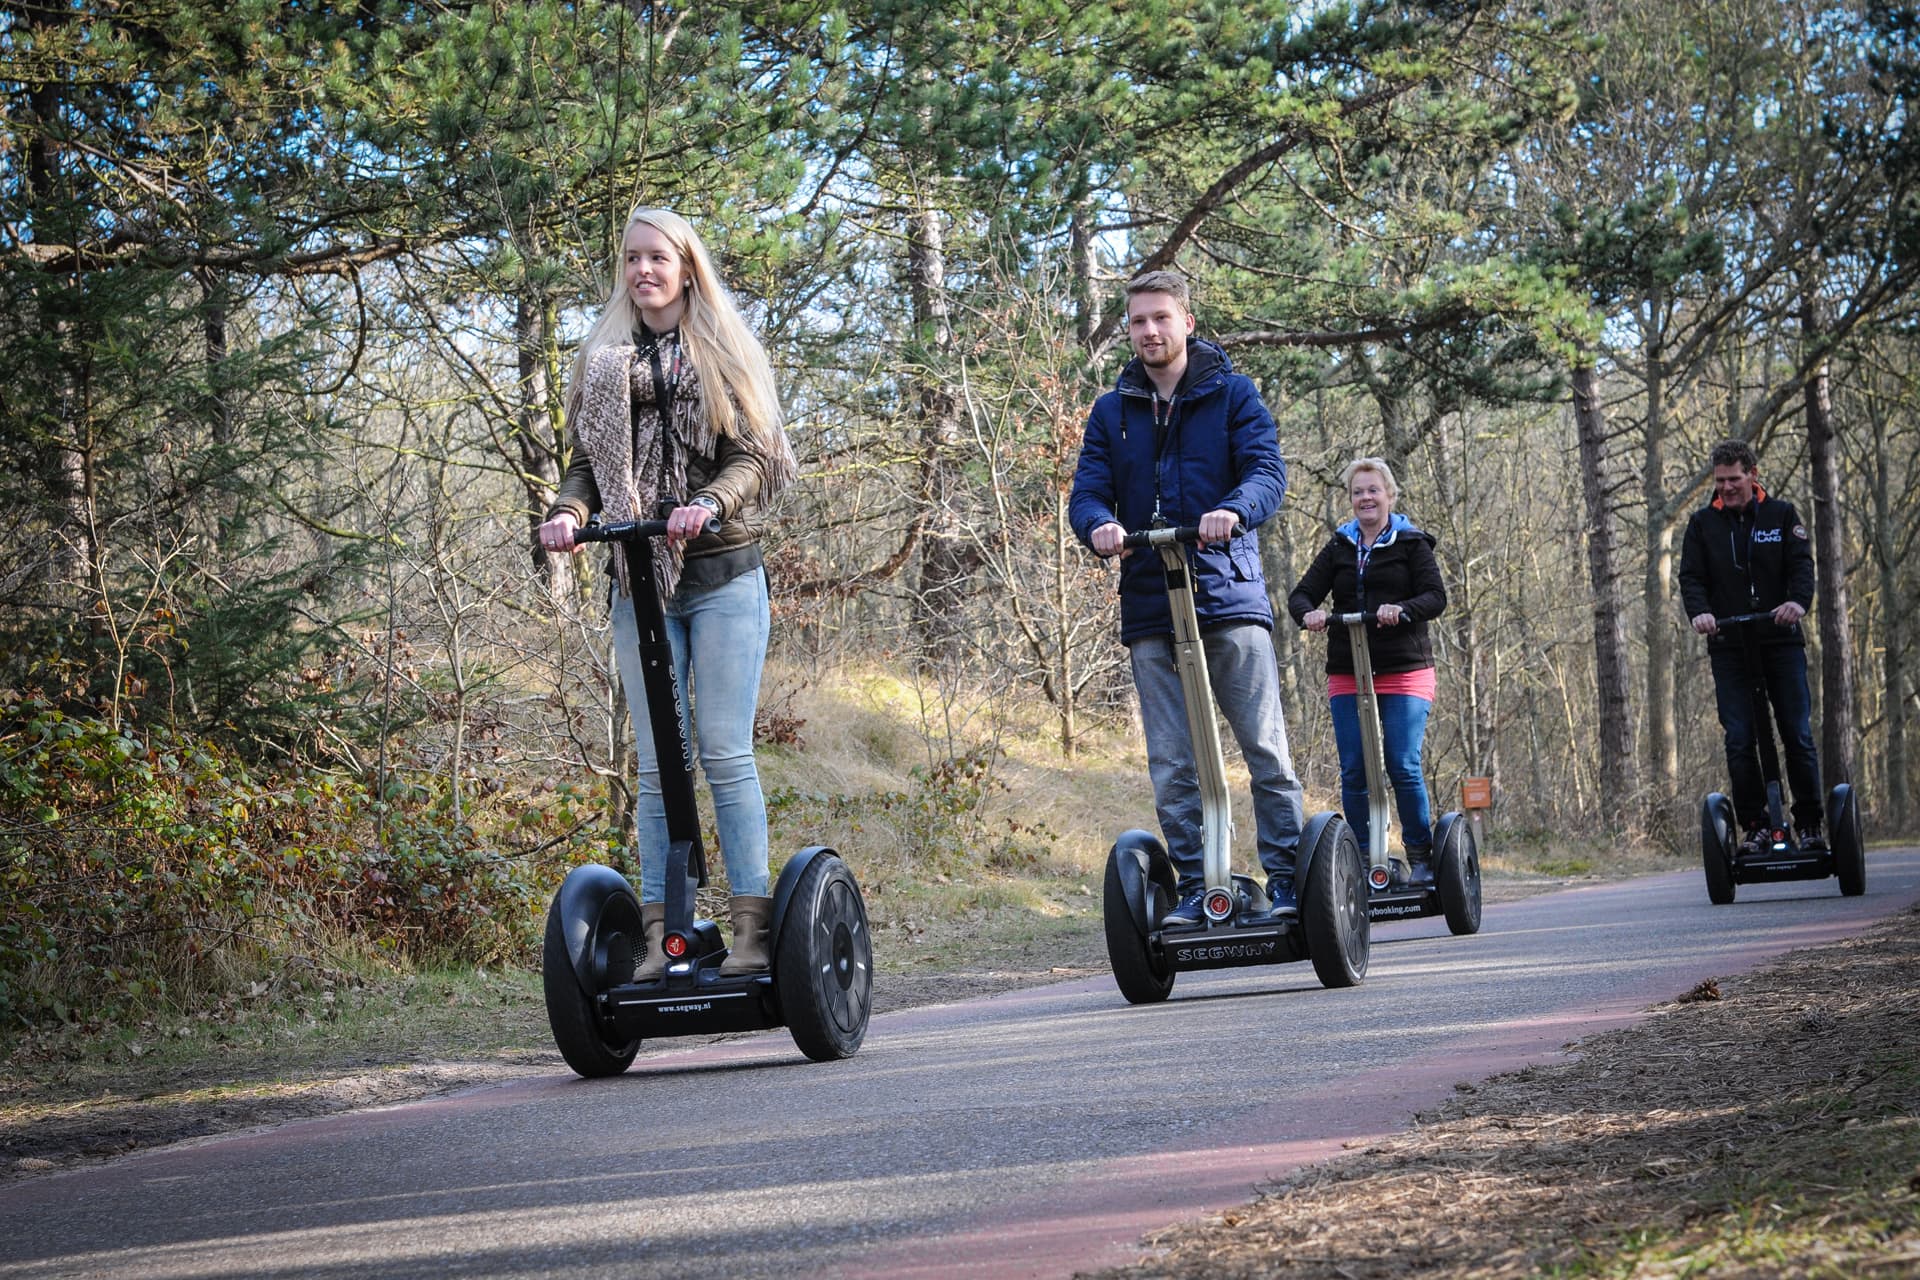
(1031, 1134)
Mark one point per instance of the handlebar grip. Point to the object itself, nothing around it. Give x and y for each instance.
(1186, 534)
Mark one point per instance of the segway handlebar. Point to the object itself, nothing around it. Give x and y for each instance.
(1186, 533)
(1765, 615)
(631, 530)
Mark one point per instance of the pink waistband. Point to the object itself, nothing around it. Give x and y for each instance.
(1419, 684)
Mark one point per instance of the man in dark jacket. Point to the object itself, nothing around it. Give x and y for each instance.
(1748, 553)
(1184, 440)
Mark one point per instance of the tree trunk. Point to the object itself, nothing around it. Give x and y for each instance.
(1663, 765)
(1830, 569)
(217, 405)
(538, 440)
(1478, 685)
(1086, 294)
(1895, 695)
(945, 565)
(1611, 674)
(1065, 548)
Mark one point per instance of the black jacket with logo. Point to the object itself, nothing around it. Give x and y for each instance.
(1747, 561)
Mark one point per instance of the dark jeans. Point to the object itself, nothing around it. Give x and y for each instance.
(1785, 669)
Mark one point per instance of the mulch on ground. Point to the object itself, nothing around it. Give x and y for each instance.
(1764, 1125)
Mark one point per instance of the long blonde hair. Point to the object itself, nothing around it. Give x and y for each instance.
(739, 398)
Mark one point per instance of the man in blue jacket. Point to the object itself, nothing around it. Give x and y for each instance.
(1184, 440)
(1747, 552)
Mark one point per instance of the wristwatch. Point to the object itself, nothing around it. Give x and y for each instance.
(707, 501)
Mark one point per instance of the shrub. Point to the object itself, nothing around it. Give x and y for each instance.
(142, 864)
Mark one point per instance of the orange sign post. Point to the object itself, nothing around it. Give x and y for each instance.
(1476, 797)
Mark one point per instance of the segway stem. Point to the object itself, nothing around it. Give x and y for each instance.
(1203, 727)
(1372, 739)
(686, 868)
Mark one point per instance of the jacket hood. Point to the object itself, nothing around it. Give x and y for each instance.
(1398, 526)
(1207, 363)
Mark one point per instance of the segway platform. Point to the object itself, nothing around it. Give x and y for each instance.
(1331, 927)
(819, 981)
(1392, 892)
(1784, 857)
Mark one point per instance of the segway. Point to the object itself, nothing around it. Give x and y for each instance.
(1239, 929)
(1393, 892)
(820, 981)
(1784, 858)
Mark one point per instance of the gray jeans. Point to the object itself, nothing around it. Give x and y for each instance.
(1246, 685)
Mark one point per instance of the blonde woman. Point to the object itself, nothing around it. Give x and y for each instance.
(1382, 564)
(672, 396)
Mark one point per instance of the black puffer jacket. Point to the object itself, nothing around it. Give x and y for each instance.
(1402, 570)
(1747, 561)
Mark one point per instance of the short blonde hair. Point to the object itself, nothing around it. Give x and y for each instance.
(1378, 465)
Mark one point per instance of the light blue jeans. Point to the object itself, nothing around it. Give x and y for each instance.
(1246, 687)
(719, 641)
(1403, 735)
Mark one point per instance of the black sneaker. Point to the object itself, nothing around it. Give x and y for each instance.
(1759, 840)
(1811, 839)
(1188, 915)
(1280, 895)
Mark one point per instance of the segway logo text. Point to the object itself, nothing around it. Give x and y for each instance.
(1225, 951)
(1411, 909)
(700, 1007)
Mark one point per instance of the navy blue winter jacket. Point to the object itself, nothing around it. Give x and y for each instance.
(1218, 450)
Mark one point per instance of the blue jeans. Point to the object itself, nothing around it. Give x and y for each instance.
(1246, 685)
(1784, 667)
(1403, 734)
(719, 641)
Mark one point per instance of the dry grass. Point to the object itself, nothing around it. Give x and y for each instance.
(1766, 1125)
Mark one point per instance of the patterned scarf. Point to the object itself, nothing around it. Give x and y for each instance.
(617, 382)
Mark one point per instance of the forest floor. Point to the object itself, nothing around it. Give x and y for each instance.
(1766, 1125)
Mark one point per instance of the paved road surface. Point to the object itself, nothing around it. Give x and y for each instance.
(1031, 1134)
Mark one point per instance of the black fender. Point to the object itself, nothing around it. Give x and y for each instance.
(595, 902)
(1442, 830)
(1142, 862)
(1309, 841)
(783, 889)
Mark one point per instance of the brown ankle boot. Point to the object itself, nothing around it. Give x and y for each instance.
(751, 916)
(653, 921)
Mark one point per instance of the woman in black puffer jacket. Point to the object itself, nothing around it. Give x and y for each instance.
(1380, 563)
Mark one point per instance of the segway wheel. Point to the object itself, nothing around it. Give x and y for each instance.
(1843, 837)
(1457, 875)
(1140, 979)
(1716, 847)
(823, 968)
(1333, 907)
(577, 1030)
